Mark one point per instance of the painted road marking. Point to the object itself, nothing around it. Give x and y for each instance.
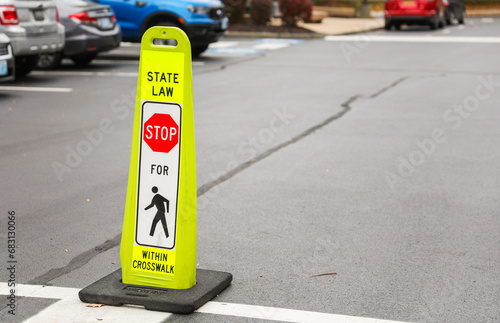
(224, 44)
(236, 48)
(233, 51)
(127, 44)
(99, 61)
(275, 43)
(281, 314)
(69, 308)
(415, 39)
(279, 41)
(271, 46)
(82, 73)
(36, 89)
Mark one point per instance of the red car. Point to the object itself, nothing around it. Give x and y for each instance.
(415, 12)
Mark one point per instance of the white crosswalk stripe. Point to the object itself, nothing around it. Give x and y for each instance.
(69, 308)
(249, 47)
(413, 39)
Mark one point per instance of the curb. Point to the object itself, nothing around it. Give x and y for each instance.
(482, 13)
(312, 35)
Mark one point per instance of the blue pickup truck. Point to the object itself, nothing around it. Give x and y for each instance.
(204, 21)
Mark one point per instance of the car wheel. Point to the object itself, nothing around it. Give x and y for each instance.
(387, 25)
(25, 64)
(197, 50)
(434, 23)
(442, 20)
(461, 19)
(50, 60)
(449, 16)
(83, 59)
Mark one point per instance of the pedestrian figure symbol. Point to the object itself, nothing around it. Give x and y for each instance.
(158, 201)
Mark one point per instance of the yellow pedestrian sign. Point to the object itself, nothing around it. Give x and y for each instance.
(162, 160)
(158, 245)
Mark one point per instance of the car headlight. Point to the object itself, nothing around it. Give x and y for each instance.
(199, 9)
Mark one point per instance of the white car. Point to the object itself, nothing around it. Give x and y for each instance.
(33, 28)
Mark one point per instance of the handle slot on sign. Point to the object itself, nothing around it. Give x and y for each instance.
(165, 41)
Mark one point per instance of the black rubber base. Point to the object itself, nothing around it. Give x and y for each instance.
(111, 291)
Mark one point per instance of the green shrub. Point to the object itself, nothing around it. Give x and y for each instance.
(260, 11)
(235, 9)
(292, 11)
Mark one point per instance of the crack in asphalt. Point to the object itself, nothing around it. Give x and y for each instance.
(389, 87)
(86, 256)
(76, 262)
(208, 186)
(346, 107)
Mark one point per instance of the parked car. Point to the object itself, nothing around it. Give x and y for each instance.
(415, 12)
(90, 28)
(455, 10)
(6, 59)
(204, 21)
(33, 28)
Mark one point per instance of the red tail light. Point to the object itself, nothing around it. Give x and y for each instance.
(57, 15)
(83, 18)
(8, 15)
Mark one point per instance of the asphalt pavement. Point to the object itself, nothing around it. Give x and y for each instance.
(340, 179)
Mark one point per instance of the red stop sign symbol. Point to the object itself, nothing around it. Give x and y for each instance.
(161, 133)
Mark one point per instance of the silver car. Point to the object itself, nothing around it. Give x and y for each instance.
(6, 59)
(33, 28)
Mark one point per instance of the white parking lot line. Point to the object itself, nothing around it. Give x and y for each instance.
(281, 314)
(69, 308)
(270, 46)
(36, 89)
(131, 62)
(223, 44)
(82, 73)
(414, 39)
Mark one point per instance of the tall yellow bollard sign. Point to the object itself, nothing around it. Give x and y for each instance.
(158, 246)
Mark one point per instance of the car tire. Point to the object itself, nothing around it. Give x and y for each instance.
(198, 49)
(83, 59)
(50, 60)
(449, 16)
(434, 23)
(461, 19)
(387, 25)
(25, 64)
(442, 21)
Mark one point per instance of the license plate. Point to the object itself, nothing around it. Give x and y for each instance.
(39, 15)
(408, 3)
(3, 68)
(105, 23)
(224, 23)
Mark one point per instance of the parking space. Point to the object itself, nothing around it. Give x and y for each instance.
(349, 179)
